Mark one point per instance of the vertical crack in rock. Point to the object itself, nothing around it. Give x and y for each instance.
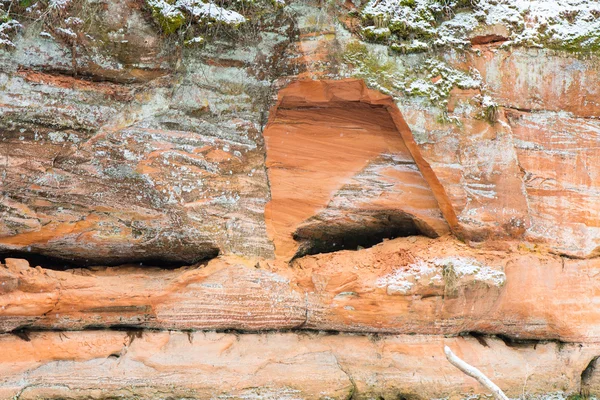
(353, 390)
(58, 298)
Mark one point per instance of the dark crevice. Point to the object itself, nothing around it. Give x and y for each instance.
(569, 256)
(63, 264)
(22, 334)
(137, 331)
(480, 338)
(520, 343)
(407, 396)
(366, 231)
(508, 340)
(587, 375)
(488, 39)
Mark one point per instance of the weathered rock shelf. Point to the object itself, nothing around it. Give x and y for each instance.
(396, 287)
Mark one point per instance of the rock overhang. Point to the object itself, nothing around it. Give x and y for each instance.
(342, 165)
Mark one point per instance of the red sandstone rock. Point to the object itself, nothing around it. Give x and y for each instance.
(404, 286)
(78, 365)
(225, 294)
(339, 166)
(477, 164)
(539, 79)
(557, 154)
(109, 172)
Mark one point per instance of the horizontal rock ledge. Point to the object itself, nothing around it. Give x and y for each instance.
(409, 285)
(103, 364)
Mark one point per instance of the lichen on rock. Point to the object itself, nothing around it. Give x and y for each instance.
(431, 24)
(431, 79)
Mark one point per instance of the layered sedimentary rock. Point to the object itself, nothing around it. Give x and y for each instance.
(78, 365)
(154, 166)
(530, 174)
(226, 294)
(477, 164)
(561, 181)
(155, 197)
(540, 79)
(404, 286)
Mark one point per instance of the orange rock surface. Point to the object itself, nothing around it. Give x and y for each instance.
(83, 365)
(401, 286)
(339, 166)
(164, 235)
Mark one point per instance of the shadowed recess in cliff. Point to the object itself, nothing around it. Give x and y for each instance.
(344, 172)
(66, 263)
(362, 230)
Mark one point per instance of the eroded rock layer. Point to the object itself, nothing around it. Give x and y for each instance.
(185, 217)
(404, 286)
(340, 172)
(84, 365)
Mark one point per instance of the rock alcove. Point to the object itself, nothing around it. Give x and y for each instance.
(344, 171)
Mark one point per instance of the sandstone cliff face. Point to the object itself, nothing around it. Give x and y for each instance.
(273, 366)
(291, 210)
(348, 134)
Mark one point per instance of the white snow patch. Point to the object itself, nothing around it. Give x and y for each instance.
(401, 281)
(531, 22)
(67, 32)
(430, 272)
(6, 29)
(59, 4)
(198, 9)
(464, 266)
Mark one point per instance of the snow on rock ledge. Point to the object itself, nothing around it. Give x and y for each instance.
(437, 272)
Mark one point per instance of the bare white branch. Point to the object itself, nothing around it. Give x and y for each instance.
(474, 373)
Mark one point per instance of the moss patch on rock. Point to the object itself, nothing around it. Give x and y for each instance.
(555, 24)
(432, 79)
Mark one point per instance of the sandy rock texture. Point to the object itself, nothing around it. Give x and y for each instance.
(78, 365)
(530, 174)
(164, 164)
(403, 286)
(325, 133)
(270, 216)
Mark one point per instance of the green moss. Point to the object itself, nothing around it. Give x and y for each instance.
(434, 80)
(420, 20)
(5, 16)
(168, 23)
(404, 31)
(491, 113)
(25, 3)
(382, 75)
(410, 48)
(376, 35)
(415, 20)
(457, 4)
(408, 3)
(582, 44)
(577, 397)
